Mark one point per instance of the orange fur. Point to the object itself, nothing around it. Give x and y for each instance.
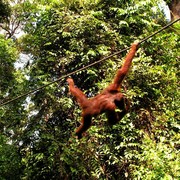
(105, 102)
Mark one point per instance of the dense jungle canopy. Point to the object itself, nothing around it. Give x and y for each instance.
(41, 41)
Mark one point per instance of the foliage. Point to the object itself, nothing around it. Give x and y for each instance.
(63, 36)
(158, 160)
(4, 11)
(8, 56)
(10, 162)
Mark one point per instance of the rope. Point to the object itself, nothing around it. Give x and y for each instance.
(85, 67)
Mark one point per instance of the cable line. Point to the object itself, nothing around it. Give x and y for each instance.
(85, 67)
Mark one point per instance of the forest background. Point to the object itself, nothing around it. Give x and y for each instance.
(57, 37)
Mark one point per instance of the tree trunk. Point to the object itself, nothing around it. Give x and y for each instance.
(174, 7)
